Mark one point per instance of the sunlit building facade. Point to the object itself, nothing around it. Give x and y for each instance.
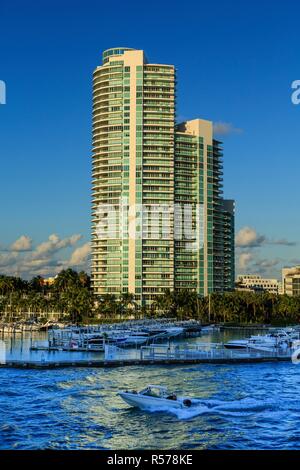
(256, 283)
(198, 169)
(229, 244)
(291, 281)
(143, 165)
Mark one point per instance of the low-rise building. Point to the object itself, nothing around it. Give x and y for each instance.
(291, 281)
(255, 283)
(49, 281)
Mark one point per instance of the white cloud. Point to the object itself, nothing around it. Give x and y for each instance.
(80, 255)
(7, 259)
(244, 260)
(266, 264)
(248, 237)
(248, 242)
(250, 263)
(46, 259)
(23, 243)
(54, 244)
(282, 241)
(225, 128)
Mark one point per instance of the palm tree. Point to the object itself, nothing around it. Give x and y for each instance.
(36, 284)
(78, 303)
(84, 279)
(164, 304)
(127, 303)
(67, 278)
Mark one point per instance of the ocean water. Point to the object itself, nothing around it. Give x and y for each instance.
(253, 406)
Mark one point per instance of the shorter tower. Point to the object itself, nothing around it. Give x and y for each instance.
(198, 174)
(159, 221)
(229, 244)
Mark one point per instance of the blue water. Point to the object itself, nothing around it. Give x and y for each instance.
(254, 406)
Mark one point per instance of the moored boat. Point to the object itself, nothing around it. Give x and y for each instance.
(237, 344)
(280, 339)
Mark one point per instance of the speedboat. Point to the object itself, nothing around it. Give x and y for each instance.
(270, 341)
(134, 337)
(237, 344)
(254, 342)
(154, 396)
(209, 329)
(173, 331)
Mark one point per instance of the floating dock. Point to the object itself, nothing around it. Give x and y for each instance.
(157, 354)
(22, 364)
(176, 354)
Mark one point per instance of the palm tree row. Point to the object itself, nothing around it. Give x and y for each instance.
(230, 307)
(70, 297)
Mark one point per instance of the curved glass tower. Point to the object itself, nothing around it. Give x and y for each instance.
(133, 165)
(145, 172)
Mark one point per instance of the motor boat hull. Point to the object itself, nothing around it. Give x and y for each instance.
(236, 344)
(142, 401)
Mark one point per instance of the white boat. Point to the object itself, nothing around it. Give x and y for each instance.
(135, 340)
(154, 396)
(174, 331)
(237, 344)
(255, 342)
(209, 329)
(277, 339)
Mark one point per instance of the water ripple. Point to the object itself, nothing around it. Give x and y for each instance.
(253, 406)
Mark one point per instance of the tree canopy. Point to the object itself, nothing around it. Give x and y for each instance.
(70, 295)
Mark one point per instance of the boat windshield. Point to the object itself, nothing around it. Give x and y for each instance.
(157, 392)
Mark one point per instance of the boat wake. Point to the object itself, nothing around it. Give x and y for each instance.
(199, 407)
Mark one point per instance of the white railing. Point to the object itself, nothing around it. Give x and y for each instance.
(212, 351)
(113, 353)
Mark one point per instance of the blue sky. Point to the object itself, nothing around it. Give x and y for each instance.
(236, 62)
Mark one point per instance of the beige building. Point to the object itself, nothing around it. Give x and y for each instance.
(254, 282)
(146, 170)
(48, 281)
(291, 281)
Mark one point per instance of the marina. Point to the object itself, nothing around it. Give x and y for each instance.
(93, 338)
(138, 334)
(19, 328)
(76, 393)
(167, 345)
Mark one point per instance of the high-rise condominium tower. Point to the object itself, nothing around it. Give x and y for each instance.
(157, 208)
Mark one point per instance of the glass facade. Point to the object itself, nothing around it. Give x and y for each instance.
(146, 170)
(189, 200)
(229, 245)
